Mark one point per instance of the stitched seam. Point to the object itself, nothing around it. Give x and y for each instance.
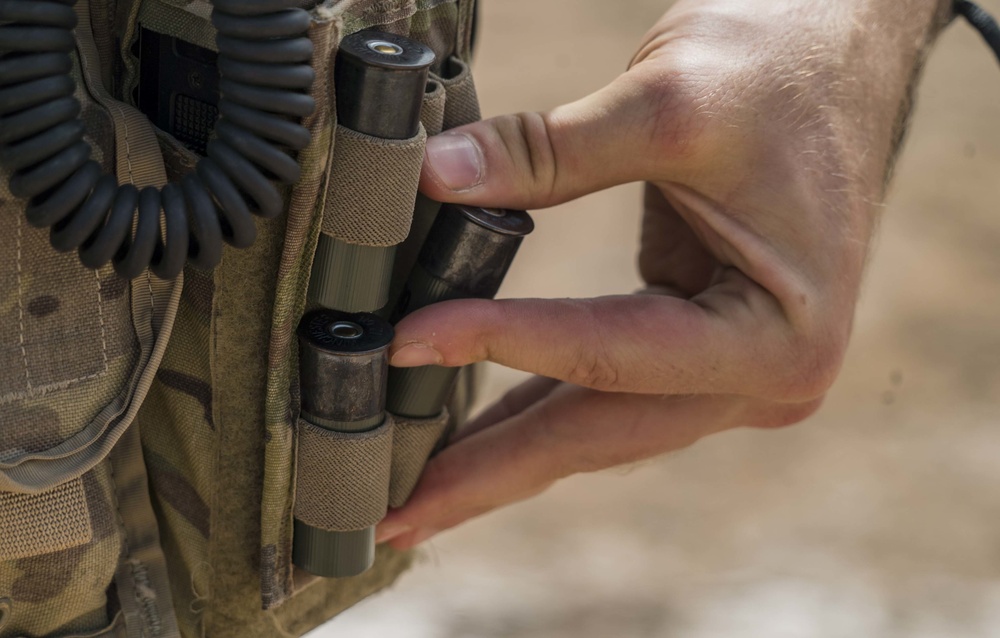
(152, 303)
(100, 320)
(128, 150)
(38, 391)
(20, 306)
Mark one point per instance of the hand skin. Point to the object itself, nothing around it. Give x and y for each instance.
(765, 131)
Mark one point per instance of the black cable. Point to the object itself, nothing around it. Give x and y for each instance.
(264, 56)
(982, 22)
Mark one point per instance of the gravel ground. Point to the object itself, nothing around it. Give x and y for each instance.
(879, 517)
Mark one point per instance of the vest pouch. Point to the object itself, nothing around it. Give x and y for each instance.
(79, 349)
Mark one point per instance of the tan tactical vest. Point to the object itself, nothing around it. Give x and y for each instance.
(148, 429)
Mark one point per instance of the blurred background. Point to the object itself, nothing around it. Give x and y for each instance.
(879, 517)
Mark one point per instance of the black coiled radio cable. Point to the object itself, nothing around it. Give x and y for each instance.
(265, 63)
(982, 22)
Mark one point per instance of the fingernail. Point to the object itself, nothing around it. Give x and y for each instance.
(456, 160)
(414, 355)
(390, 531)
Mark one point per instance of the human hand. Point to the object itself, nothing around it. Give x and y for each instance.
(765, 131)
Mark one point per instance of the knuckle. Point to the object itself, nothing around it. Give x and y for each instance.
(591, 363)
(526, 140)
(682, 111)
(816, 362)
(789, 414)
(592, 369)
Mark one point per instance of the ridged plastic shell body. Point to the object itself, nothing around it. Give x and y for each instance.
(333, 554)
(349, 277)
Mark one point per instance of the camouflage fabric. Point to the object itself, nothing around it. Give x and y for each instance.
(152, 423)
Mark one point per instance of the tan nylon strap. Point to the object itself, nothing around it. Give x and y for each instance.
(37, 524)
(462, 106)
(412, 443)
(432, 112)
(138, 155)
(373, 184)
(192, 24)
(343, 478)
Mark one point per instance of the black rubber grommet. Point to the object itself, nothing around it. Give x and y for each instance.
(288, 23)
(103, 244)
(46, 175)
(28, 94)
(21, 68)
(287, 51)
(205, 245)
(273, 100)
(14, 128)
(171, 249)
(70, 233)
(266, 125)
(64, 199)
(135, 253)
(238, 229)
(39, 148)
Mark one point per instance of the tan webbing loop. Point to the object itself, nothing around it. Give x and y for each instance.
(412, 444)
(462, 106)
(343, 478)
(432, 112)
(373, 186)
(37, 524)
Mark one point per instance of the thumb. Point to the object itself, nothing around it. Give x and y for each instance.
(632, 130)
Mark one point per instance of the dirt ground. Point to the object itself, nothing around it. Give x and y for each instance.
(879, 517)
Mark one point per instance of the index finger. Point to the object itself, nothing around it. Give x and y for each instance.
(733, 339)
